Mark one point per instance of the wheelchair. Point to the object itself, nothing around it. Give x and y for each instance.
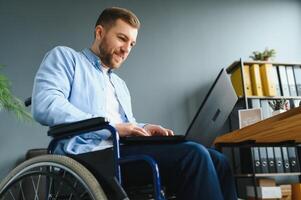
(61, 177)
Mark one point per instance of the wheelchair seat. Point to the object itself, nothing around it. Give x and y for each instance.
(60, 177)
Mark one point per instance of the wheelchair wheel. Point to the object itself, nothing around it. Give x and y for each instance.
(51, 177)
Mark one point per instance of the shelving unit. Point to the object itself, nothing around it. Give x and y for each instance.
(240, 64)
(245, 100)
(266, 174)
(274, 97)
(254, 176)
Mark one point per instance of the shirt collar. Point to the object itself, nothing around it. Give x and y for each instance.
(94, 59)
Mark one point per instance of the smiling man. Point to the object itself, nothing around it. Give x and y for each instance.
(72, 86)
(113, 44)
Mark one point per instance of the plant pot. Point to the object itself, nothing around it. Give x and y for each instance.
(276, 112)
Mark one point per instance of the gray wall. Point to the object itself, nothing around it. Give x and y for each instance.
(181, 47)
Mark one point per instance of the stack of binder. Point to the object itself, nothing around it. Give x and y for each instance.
(237, 81)
(297, 75)
(256, 80)
(269, 159)
(268, 82)
(266, 79)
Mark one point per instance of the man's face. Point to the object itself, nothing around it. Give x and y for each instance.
(116, 43)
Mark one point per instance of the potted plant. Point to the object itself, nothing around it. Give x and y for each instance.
(278, 106)
(9, 102)
(265, 55)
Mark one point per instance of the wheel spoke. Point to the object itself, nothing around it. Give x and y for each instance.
(49, 189)
(11, 194)
(50, 177)
(21, 189)
(34, 188)
(59, 189)
(74, 186)
(38, 185)
(83, 194)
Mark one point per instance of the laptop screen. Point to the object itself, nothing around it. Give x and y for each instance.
(213, 112)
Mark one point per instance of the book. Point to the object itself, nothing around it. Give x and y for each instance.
(285, 159)
(293, 159)
(254, 103)
(256, 80)
(296, 103)
(291, 81)
(283, 81)
(268, 82)
(276, 79)
(297, 75)
(278, 159)
(271, 160)
(263, 159)
(256, 160)
(237, 83)
(291, 103)
(266, 109)
(249, 158)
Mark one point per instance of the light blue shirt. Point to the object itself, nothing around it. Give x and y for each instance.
(70, 86)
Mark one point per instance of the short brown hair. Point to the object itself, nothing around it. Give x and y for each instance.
(109, 16)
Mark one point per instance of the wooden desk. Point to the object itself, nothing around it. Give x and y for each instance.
(283, 127)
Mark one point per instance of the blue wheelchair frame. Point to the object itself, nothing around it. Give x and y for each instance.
(64, 131)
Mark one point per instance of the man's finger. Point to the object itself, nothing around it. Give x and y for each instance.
(170, 132)
(140, 131)
(162, 131)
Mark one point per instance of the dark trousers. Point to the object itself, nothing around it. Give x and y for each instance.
(189, 169)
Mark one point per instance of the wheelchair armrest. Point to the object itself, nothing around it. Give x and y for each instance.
(76, 128)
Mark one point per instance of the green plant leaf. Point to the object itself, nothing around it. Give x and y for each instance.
(10, 103)
(264, 55)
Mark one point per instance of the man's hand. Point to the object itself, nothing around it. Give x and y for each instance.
(127, 129)
(158, 130)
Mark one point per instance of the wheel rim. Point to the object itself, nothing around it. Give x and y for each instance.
(46, 180)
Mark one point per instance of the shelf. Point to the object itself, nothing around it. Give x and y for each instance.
(274, 97)
(267, 174)
(237, 63)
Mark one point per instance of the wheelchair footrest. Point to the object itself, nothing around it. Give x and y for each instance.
(145, 192)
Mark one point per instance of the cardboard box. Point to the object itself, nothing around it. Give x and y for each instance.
(271, 192)
(268, 182)
(286, 191)
(296, 191)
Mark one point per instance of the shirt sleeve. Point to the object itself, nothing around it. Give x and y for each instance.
(52, 86)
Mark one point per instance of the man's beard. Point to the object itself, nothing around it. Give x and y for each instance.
(106, 56)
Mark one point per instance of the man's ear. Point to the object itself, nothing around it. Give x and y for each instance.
(99, 32)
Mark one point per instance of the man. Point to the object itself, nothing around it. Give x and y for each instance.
(72, 86)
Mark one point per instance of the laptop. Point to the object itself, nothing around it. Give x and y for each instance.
(208, 120)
